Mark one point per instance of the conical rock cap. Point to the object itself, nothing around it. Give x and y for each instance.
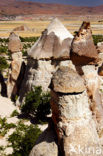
(55, 43)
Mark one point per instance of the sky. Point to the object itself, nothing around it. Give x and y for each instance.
(73, 2)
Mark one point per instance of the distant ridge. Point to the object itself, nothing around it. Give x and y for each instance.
(16, 7)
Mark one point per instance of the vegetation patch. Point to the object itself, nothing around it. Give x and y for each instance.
(23, 139)
(97, 38)
(3, 63)
(37, 103)
(14, 113)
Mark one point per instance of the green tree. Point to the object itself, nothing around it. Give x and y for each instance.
(37, 103)
(3, 64)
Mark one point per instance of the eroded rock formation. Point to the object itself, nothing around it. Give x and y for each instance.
(71, 113)
(15, 48)
(100, 47)
(21, 28)
(77, 105)
(46, 144)
(85, 57)
(52, 48)
(93, 86)
(83, 48)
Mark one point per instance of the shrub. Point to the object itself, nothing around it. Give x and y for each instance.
(28, 39)
(37, 103)
(14, 113)
(23, 139)
(3, 63)
(4, 126)
(4, 40)
(24, 52)
(97, 38)
(3, 49)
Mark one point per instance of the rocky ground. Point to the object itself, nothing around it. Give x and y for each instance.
(7, 107)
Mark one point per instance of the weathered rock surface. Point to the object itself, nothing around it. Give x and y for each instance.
(72, 119)
(72, 83)
(46, 144)
(45, 56)
(100, 47)
(93, 86)
(16, 63)
(83, 48)
(38, 73)
(14, 43)
(54, 43)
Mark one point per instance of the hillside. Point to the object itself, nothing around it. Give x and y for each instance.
(16, 7)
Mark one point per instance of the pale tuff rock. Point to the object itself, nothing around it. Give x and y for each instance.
(55, 43)
(51, 50)
(72, 117)
(46, 144)
(100, 47)
(100, 58)
(67, 63)
(16, 63)
(100, 51)
(93, 86)
(83, 48)
(38, 73)
(60, 31)
(14, 43)
(66, 80)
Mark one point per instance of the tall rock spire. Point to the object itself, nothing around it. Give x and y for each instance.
(52, 48)
(15, 48)
(83, 48)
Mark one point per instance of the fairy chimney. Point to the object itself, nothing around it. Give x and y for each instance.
(14, 43)
(15, 48)
(51, 49)
(71, 113)
(83, 48)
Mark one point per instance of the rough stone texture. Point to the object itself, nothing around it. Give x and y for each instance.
(14, 44)
(16, 63)
(54, 43)
(93, 86)
(66, 80)
(38, 73)
(73, 121)
(14, 73)
(46, 144)
(45, 56)
(100, 47)
(83, 48)
(100, 58)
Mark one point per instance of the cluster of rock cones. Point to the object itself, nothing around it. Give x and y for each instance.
(69, 67)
